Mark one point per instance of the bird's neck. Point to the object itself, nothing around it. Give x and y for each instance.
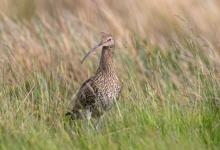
(106, 64)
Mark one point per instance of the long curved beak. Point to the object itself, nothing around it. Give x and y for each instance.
(92, 50)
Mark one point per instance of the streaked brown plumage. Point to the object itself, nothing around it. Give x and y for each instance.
(98, 93)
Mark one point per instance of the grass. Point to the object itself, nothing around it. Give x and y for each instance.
(169, 70)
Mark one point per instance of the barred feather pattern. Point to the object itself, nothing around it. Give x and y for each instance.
(98, 93)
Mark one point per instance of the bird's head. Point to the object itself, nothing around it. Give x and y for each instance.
(106, 41)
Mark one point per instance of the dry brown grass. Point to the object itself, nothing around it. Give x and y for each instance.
(63, 26)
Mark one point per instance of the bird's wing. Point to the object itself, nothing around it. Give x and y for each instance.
(87, 93)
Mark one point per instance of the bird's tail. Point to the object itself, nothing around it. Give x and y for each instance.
(74, 114)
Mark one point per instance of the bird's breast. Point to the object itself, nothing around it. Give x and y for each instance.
(111, 87)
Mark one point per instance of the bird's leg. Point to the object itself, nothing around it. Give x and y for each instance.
(88, 114)
(97, 124)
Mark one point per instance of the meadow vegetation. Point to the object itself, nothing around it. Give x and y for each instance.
(167, 56)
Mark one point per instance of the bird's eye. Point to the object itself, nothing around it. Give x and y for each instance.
(108, 40)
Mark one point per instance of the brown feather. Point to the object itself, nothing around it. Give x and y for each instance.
(99, 92)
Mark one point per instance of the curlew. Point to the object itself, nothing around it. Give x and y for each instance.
(100, 92)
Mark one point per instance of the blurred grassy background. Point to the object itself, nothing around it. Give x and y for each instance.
(167, 57)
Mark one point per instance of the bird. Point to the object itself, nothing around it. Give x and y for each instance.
(100, 92)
